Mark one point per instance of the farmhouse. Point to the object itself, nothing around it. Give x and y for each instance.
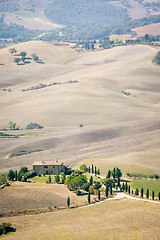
(49, 167)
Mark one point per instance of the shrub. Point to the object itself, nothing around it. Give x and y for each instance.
(78, 192)
(83, 167)
(34, 126)
(5, 228)
(11, 175)
(137, 192)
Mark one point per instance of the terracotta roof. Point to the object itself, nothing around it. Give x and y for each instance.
(48, 163)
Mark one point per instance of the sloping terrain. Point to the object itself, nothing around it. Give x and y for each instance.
(122, 220)
(116, 123)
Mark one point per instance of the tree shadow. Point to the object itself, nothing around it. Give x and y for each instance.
(1, 64)
(27, 62)
(28, 58)
(40, 61)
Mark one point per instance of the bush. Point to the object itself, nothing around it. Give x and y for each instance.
(5, 228)
(137, 192)
(78, 192)
(11, 175)
(34, 126)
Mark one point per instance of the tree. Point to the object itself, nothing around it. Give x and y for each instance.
(12, 50)
(137, 192)
(49, 179)
(16, 60)
(63, 178)
(118, 173)
(106, 193)
(126, 187)
(89, 197)
(123, 187)
(159, 196)
(95, 170)
(16, 175)
(111, 190)
(83, 167)
(118, 182)
(92, 169)
(152, 195)
(129, 189)
(142, 192)
(91, 180)
(98, 172)
(35, 57)
(108, 174)
(68, 201)
(97, 185)
(147, 194)
(11, 175)
(57, 178)
(23, 54)
(114, 173)
(91, 190)
(89, 169)
(23, 59)
(108, 182)
(12, 125)
(99, 197)
(156, 176)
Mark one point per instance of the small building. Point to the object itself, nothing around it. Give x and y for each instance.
(49, 167)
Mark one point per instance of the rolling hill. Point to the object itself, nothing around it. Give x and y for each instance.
(116, 126)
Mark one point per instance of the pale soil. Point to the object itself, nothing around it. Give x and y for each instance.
(117, 219)
(33, 22)
(119, 127)
(28, 196)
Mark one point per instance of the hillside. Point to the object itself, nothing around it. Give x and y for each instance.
(116, 126)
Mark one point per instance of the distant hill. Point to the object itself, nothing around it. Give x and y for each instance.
(85, 13)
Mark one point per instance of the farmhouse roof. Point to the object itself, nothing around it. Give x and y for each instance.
(48, 163)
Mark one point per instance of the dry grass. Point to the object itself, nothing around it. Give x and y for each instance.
(122, 219)
(35, 196)
(152, 29)
(115, 126)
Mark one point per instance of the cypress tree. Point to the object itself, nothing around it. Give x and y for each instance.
(142, 192)
(91, 181)
(89, 198)
(132, 192)
(89, 169)
(123, 187)
(16, 175)
(129, 189)
(114, 173)
(119, 182)
(92, 169)
(108, 174)
(98, 172)
(49, 179)
(152, 195)
(99, 195)
(159, 196)
(147, 194)
(111, 189)
(95, 170)
(68, 201)
(107, 191)
(126, 187)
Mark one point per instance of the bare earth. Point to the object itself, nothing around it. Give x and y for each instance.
(118, 219)
(116, 126)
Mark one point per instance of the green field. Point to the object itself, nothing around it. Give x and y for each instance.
(42, 179)
(152, 185)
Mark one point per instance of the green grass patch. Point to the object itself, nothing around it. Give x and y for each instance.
(42, 179)
(28, 134)
(152, 185)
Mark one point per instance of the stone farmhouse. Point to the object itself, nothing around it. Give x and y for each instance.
(49, 167)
